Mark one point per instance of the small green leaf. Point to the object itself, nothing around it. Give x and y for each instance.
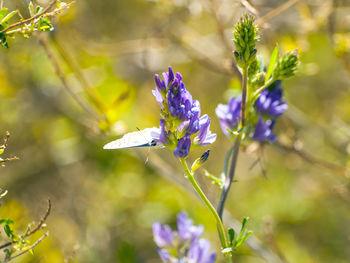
(31, 8)
(3, 13)
(239, 238)
(273, 59)
(3, 40)
(8, 253)
(6, 18)
(231, 235)
(2, 150)
(6, 222)
(214, 179)
(8, 231)
(38, 9)
(240, 242)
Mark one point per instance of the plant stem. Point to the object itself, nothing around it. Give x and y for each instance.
(229, 178)
(244, 96)
(220, 226)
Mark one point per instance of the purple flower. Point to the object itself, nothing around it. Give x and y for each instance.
(200, 252)
(180, 115)
(187, 231)
(158, 95)
(270, 102)
(230, 114)
(205, 136)
(184, 245)
(263, 130)
(164, 255)
(160, 84)
(183, 147)
(163, 134)
(163, 235)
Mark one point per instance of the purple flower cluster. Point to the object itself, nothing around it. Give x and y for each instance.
(270, 102)
(180, 115)
(269, 106)
(183, 245)
(230, 114)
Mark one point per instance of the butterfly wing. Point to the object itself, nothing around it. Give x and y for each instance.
(143, 138)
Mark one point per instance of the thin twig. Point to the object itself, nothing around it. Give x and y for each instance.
(71, 63)
(271, 240)
(49, 14)
(42, 220)
(202, 58)
(249, 7)
(15, 158)
(340, 170)
(262, 20)
(45, 10)
(220, 27)
(64, 82)
(28, 249)
(221, 32)
(38, 227)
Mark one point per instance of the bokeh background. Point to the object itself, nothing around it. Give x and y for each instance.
(90, 81)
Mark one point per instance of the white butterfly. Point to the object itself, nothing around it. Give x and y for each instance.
(143, 138)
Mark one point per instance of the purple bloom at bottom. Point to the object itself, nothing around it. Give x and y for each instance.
(187, 231)
(186, 247)
(183, 147)
(200, 252)
(264, 130)
(164, 255)
(163, 235)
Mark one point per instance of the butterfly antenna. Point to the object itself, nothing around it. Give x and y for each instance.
(148, 148)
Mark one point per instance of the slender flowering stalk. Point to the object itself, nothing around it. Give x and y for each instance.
(181, 128)
(245, 39)
(206, 201)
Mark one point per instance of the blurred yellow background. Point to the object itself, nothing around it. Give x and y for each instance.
(104, 202)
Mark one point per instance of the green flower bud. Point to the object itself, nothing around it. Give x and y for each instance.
(287, 65)
(253, 68)
(259, 80)
(245, 37)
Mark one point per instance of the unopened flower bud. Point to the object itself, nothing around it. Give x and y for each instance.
(199, 162)
(245, 39)
(287, 65)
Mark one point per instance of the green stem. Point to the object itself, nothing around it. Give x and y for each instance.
(259, 90)
(220, 226)
(244, 96)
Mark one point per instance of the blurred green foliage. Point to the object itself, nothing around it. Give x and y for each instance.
(104, 202)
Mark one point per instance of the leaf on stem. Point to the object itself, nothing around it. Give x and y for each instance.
(273, 60)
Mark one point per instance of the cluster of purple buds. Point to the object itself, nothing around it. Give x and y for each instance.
(269, 106)
(181, 125)
(183, 245)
